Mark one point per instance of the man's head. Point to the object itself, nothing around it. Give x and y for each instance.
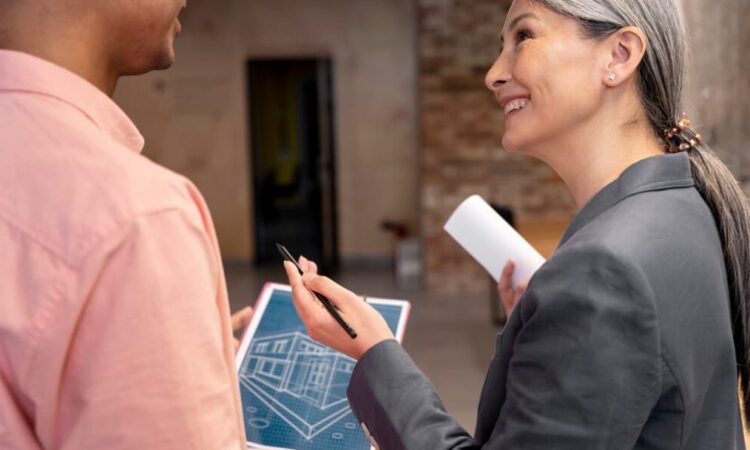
(100, 40)
(139, 33)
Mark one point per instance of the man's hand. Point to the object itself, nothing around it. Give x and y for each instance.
(240, 320)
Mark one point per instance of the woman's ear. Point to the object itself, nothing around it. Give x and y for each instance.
(628, 46)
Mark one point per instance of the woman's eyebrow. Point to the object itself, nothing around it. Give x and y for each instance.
(515, 22)
(528, 15)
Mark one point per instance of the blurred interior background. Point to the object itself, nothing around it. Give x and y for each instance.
(349, 130)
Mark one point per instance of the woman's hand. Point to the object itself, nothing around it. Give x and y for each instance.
(240, 320)
(509, 297)
(370, 326)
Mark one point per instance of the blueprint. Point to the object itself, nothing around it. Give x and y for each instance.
(293, 389)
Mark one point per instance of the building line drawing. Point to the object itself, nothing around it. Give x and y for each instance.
(302, 381)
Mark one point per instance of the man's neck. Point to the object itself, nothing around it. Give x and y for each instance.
(71, 46)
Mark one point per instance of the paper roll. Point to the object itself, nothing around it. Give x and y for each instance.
(491, 240)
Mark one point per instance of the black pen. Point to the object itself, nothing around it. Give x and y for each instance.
(327, 304)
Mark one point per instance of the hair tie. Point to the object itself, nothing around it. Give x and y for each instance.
(681, 137)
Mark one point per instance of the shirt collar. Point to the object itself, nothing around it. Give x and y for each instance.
(20, 72)
(651, 174)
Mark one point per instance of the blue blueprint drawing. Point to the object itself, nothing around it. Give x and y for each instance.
(293, 389)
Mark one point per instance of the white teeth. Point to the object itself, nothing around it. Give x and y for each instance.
(516, 104)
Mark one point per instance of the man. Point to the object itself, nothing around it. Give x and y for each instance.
(114, 322)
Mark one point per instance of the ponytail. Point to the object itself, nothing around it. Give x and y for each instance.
(661, 81)
(731, 210)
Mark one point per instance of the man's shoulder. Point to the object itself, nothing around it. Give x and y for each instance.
(70, 189)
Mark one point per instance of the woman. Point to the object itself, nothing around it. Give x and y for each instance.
(633, 334)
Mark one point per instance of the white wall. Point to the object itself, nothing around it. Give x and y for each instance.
(194, 116)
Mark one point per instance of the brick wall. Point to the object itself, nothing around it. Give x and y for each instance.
(461, 125)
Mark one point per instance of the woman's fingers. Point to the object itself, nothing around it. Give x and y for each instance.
(320, 325)
(308, 307)
(339, 295)
(370, 326)
(292, 273)
(505, 285)
(295, 280)
(304, 264)
(521, 289)
(510, 296)
(300, 289)
(307, 265)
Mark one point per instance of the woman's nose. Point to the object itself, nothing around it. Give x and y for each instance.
(498, 74)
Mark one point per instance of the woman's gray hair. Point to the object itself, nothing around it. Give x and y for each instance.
(661, 78)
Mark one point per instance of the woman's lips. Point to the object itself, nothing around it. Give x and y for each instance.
(516, 105)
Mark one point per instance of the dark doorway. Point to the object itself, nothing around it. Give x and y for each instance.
(292, 154)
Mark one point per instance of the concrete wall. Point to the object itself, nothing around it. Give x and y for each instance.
(719, 88)
(194, 116)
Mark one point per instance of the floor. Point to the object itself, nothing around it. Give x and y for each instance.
(451, 338)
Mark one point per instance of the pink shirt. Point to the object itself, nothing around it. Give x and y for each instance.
(114, 320)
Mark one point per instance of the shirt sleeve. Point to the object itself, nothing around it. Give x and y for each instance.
(146, 367)
(584, 370)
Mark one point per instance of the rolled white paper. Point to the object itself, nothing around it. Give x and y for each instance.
(491, 240)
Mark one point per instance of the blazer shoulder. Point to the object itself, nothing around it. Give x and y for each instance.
(656, 227)
(588, 274)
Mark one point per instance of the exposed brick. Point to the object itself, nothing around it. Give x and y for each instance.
(461, 127)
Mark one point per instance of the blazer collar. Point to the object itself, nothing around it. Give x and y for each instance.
(651, 174)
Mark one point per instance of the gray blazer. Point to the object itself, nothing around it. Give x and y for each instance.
(622, 340)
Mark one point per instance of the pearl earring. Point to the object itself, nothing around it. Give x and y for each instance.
(612, 77)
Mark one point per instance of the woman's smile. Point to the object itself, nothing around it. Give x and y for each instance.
(514, 104)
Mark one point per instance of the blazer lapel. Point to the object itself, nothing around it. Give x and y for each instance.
(651, 174)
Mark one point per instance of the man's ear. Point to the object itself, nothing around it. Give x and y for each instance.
(627, 48)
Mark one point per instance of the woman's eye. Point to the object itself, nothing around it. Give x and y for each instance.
(522, 35)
